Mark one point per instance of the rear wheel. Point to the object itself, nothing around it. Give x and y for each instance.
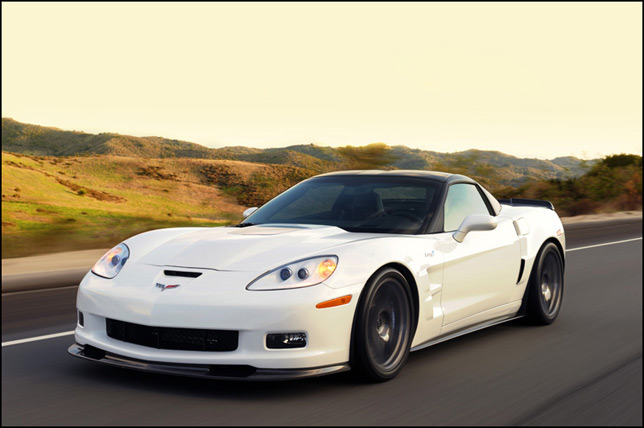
(383, 327)
(546, 286)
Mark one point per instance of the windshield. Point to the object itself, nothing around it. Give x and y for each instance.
(356, 203)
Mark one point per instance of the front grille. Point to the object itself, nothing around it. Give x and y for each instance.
(184, 339)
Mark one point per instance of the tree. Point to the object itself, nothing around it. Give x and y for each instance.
(371, 156)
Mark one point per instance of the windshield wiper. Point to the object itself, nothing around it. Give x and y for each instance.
(245, 224)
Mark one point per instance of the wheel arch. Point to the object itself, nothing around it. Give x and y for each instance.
(562, 253)
(405, 272)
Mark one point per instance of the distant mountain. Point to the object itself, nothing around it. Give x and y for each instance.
(490, 167)
(38, 140)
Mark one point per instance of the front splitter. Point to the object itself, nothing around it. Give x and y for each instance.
(224, 372)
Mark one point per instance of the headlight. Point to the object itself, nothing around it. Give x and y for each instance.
(112, 262)
(302, 273)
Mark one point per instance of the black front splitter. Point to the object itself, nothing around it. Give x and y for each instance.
(210, 371)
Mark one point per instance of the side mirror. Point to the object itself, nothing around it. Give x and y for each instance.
(475, 222)
(249, 211)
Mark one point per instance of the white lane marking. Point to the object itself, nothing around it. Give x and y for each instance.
(69, 333)
(604, 244)
(35, 339)
(11, 293)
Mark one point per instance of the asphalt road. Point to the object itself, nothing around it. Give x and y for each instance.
(585, 369)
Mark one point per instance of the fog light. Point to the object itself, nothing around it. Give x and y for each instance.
(286, 340)
(81, 319)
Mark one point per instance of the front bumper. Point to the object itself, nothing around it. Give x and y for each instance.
(225, 372)
(219, 301)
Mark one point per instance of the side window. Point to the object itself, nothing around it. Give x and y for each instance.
(462, 200)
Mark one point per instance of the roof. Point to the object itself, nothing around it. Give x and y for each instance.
(432, 175)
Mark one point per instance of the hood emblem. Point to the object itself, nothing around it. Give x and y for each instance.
(166, 287)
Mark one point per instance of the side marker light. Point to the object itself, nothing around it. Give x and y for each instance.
(335, 302)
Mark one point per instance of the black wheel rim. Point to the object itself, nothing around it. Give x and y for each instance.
(550, 285)
(388, 326)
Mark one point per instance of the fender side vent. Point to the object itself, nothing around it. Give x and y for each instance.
(521, 270)
(182, 273)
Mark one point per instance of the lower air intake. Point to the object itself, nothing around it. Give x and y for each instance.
(183, 339)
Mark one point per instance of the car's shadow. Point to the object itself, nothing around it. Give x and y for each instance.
(200, 387)
(419, 361)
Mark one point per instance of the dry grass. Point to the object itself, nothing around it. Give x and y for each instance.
(88, 202)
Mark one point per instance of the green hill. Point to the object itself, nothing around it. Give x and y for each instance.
(494, 168)
(54, 204)
(44, 141)
(68, 190)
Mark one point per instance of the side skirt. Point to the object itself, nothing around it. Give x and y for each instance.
(467, 330)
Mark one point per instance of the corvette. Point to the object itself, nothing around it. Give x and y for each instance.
(346, 270)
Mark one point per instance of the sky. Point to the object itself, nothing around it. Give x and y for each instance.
(535, 80)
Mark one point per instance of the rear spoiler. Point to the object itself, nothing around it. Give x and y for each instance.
(516, 202)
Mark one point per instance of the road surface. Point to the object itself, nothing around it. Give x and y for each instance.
(585, 369)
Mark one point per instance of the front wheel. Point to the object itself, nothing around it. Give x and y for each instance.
(546, 286)
(383, 327)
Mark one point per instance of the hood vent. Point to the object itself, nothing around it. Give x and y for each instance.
(182, 273)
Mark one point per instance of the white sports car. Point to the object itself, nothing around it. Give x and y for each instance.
(344, 270)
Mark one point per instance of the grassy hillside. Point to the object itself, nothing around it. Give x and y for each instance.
(508, 170)
(44, 141)
(61, 203)
(67, 190)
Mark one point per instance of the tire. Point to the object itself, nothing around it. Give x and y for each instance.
(545, 289)
(383, 327)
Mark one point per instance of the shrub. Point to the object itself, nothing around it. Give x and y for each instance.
(614, 183)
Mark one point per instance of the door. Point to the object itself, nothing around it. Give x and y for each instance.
(480, 272)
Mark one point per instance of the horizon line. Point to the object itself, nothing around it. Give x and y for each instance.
(319, 144)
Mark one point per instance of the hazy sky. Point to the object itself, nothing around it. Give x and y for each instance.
(529, 79)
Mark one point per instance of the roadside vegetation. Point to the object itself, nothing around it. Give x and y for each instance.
(52, 204)
(67, 190)
(612, 184)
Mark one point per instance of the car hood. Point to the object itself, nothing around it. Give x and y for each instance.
(253, 248)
